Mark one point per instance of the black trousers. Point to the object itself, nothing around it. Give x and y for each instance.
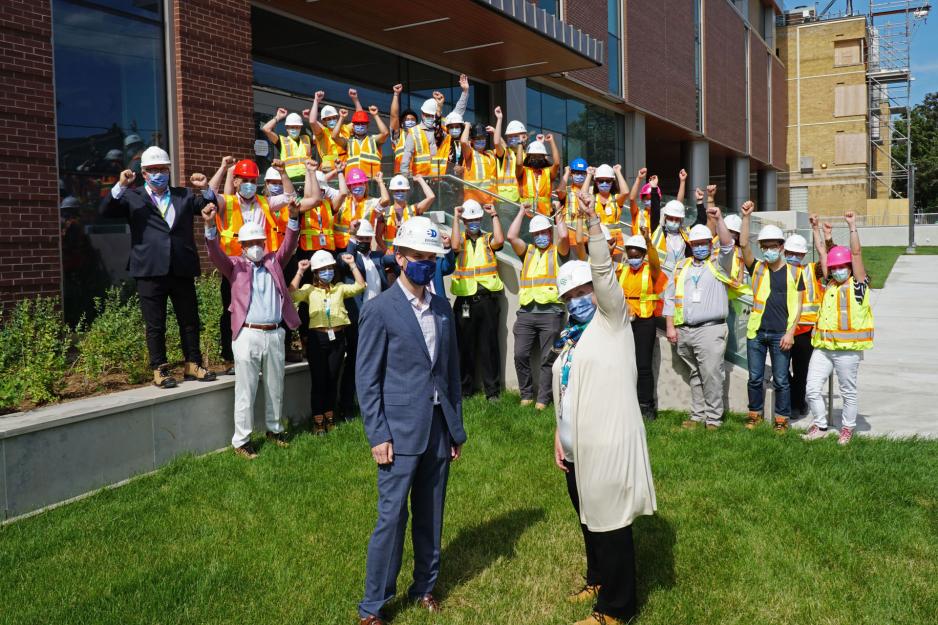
(477, 336)
(324, 358)
(153, 293)
(645, 334)
(800, 357)
(347, 384)
(224, 322)
(610, 562)
(302, 308)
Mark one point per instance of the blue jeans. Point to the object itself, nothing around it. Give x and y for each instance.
(755, 353)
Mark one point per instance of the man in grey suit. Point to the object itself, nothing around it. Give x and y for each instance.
(407, 376)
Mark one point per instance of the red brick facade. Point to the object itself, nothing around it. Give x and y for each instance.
(590, 17)
(725, 75)
(30, 251)
(759, 98)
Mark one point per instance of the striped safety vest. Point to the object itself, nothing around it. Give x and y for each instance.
(660, 240)
(641, 292)
(571, 213)
(481, 172)
(539, 276)
(391, 223)
(843, 324)
(679, 281)
(811, 297)
(641, 217)
(536, 190)
(422, 162)
(476, 266)
(610, 214)
(761, 287)
(316, 229)
(399, 149)
(350, 211)
(364, 154)
(294, 153)
(228, 228)
(505, 178)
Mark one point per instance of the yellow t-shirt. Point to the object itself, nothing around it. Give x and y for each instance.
(320, 300)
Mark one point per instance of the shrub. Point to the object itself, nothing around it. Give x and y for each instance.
(34, 344)
(207, 290)
(115, 342)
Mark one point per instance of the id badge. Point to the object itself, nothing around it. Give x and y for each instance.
(465, 311)
(696, 297)
(608, 210)
(331, 334)
(322, 240)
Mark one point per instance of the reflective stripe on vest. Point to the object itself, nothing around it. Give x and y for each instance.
(648, 302)
(481, 171)
(539, 276)
(614, 215)
(294, 154)
(350, 211)
(843, 323)
(642, 219)
(328, 149)
(762, 287)
(364, 154)
(228, 229)
(425, 163)
(399, 149)
(476, 265)
(679, 286)
(536, 190)
(505, 178)
(391, 223)
(316, 222)
(811, 298)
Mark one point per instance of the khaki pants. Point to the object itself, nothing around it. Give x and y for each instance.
(703, 350)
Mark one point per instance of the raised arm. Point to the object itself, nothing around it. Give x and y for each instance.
(456, 237)
(682, 186)
(268, 128)
(609, 296)
(654, 262)
(746, 211)
(394, 118)
(382, 135)
(466, 144)
(463, 100)
(561, 234)
(519, 162)
(428, 196)
(314, 124)
(514, 231)
(554, 155)
(819, 248)
(222, 261)
(498, 237)
(856, 252)
(636, 187)
(711, 202)
(353, 96)
(113, 204)
(215, 182)
(302, 268)
(623, 186)
(337, 131)
(497, 138)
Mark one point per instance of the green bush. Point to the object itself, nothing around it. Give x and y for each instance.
(207, 290)
(34, 345)
(115, 342)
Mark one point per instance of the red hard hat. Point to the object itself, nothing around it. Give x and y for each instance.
(246, 169)
(360, 117)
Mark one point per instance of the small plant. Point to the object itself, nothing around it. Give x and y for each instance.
(115, 342)
(34, 345)
(208, 293)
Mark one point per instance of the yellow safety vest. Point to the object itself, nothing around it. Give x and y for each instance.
(811, 298)
(505, 177)
(842, 323)
(316, 229)
(422, 162)
(761, 287)
(571, 213)
(364, 154)
(228, 230)
(391, 224)
(481, 172)
(294, 155)
(539, 276)
(641, 292)
(660, 240)
(609, 213)
(399, 149)
(679, 286)
(641, 219)
(476, 266)
(536, 191)
(350, 211)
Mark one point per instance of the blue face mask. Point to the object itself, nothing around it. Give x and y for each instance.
(400, 196)
(429, 122)
(293, 133)
(513, 141)
(330, 123)
(646, 203)
(326, 275)
(358, 190)
(701, 252)
(410, 123)
(579, 179)
(158, 181)
(542, 240)
(359, 129)
(771, 255)
(604, 186)
(274, 189)
(479, 144)
(840, 274)
(247, 190)
(420, 272)
(672, 226)
(792, 260)
(635, 263)
(475, 227)
(455, 132)
(581, 308)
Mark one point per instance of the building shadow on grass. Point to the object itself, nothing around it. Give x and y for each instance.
(654, 555)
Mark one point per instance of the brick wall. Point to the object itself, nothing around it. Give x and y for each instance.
(30, 250)
(759, 99)
(591, 17)
(779, 115)
(659, 40)
(725, 76)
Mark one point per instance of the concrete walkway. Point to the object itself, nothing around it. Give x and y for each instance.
(898, 385)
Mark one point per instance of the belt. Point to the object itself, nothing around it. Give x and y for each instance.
(704, 324)
(262, 326)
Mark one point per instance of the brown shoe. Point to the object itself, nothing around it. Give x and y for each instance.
(163, 379)
(278, 438)
(195, 371)
(428, 603)
(713, 426)
(527, 402)
(319, 425)
(781, 425)
(371, 620)
(753, 419)
(690, 424)
(598, 618)
(246, 451)
(540, 406)
(330, 421)
(587, 594)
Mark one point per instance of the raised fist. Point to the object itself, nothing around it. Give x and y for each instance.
(208, 213)
(198, 181)
(747, 208)
(303, 266)
(353, 94)
(643, 172)
(227, 161)
(699, 194)
(711, 190)
(682, 175)
(498, 112)
(319, 96)
(464, 82)
(281, 114)
(373, 110)
(343, 113)
(127, 178)
(397, 89)
(348, 259)
(490, 210)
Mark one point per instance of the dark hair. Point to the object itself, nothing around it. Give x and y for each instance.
(478, 130)
(407, 112)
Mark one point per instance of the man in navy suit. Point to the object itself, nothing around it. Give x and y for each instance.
(163, 258)
(407, 374)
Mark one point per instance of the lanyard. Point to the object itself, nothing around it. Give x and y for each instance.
(328, 307)
(162, 201)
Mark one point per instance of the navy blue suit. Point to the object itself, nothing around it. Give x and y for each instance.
(396, 378)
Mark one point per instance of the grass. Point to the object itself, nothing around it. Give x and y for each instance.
(752, 528)
(879, 260)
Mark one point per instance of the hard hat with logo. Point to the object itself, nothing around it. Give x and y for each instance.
(293, 119)
(771, 233)
(637, 241)
(360, 117)
(365, 229)
(428, 107)
(246, 169)
(674, 208)
(419, 234)
(272, 174)
(604, 171)
(606, 234)
(646, 190)
(354, 175)
(154, 155)
(515, 127)
(322, 258)
(453, 119)
(130, 140)
(537, 147)
(700, 232)
(733, 223)
(797, 244)
(837, 256)
(539, 223)
(251, 232)
(328, 111)
(579, 164)
(114, 155)
(471, 210)
(399, 183)
(573, 274)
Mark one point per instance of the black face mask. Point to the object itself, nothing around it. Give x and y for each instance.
(363, 247)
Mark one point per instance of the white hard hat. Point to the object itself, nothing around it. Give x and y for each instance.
(700, 232)
(733, 223)
(515, 127)
(320, 178)
(453, 118)
(251, 232)
(471, 210)
(365, 229)
(636, 240)
(797, 244)
(771, 233)
(606, 234)
(272, 174)
(428, 107)
(154, 155)
(321, 258)
(674, 208)
(328, 111)
(537, 147)
(114, 155)
(399, 183)
(293, 120)
(419, 234)
(604, 171)
(573, 274)
(539, 223)
(130, 140)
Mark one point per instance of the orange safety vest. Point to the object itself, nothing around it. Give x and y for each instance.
(641, 292)
(422, 162)
(571, 213)
(811, 297)
(391, 224)
(316, 229)
(399, 149)
(294, 153)
(536, 190)
(481, 172)
(228, 228)
(505, 178)
(350, 211)
(364, 154)
(610, 214)
(641, 216)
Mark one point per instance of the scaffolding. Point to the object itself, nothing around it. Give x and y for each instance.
(890, 26)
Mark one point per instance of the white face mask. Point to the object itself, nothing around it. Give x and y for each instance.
(255, 253)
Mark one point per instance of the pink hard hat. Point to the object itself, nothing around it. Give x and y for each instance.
(354, 175)
(838, 255)
(646, 189)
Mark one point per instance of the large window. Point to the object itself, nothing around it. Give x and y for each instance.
(110, 92)
(582, 129)
(614, 48)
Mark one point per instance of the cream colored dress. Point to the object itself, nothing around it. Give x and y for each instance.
(610, 453)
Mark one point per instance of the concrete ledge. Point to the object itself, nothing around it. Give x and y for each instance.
(62, 451)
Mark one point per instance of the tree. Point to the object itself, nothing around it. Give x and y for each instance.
(924, 138)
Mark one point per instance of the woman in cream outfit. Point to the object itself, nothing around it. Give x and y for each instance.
(600, 437)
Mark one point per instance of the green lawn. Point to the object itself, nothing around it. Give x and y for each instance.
(752, 528)
(879, 260)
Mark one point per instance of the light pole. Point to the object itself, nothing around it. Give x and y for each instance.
(911, 196)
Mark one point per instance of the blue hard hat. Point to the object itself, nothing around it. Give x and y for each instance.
(578, 164)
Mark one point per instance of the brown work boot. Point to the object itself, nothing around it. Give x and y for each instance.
(278, 438)
(527, 402)
(163, 378)
(540, 406)
(598, 618)
(587, 594)
(429, 603)
(713, 426)
(371, 620)
(246, 451)
(753, 420)
(690, 424)
(781, 425)
(330, 421)
(319, 425)
(195, 371)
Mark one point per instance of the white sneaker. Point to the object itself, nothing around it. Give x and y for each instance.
(815, 433)
(845, 435)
